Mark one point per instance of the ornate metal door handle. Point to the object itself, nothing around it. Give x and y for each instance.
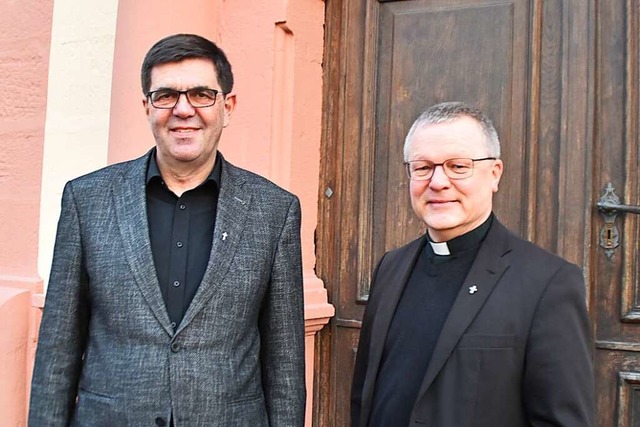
(609, 206)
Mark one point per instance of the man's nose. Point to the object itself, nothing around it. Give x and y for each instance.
(183, 107)
(439, 178)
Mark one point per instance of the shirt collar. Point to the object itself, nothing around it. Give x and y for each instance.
(154, 172)
(463, 242)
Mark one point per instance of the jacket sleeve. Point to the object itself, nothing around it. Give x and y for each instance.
(362, 356)
(282, 354)
(64, 326)
(558, 378)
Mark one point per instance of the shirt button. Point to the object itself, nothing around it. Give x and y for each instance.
(179, 244)
(182, 207)
(176, 283)
(160, 422)
(173, 325)
(175, 347)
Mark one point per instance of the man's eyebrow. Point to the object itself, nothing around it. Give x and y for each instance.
(201, 87)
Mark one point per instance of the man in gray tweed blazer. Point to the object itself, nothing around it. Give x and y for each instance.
(175, 296)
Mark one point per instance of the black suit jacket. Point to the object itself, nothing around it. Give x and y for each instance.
(515, 353)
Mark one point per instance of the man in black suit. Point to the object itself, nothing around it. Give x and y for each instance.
(469, 325)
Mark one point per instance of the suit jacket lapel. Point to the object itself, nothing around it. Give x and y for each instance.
(231, 216)
(129, 199)
(485, 272)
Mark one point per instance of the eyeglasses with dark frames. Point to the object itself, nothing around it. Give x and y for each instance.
(459, 168)
(198, 97)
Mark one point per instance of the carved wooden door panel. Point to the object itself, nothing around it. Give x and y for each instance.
(528, 63)
(615, 278)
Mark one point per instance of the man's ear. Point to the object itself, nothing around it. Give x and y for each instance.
(496, 173)
(229, 106)
(145, 105)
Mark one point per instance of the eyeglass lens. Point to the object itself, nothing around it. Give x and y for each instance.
(198, 98)
(453, 168)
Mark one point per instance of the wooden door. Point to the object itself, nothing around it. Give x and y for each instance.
(615, 278)
(560, 80)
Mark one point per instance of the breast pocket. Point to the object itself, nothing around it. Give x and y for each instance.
(480, 342)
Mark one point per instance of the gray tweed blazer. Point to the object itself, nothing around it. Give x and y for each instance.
(107, 353)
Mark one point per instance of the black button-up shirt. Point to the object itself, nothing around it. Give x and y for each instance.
(181, 233)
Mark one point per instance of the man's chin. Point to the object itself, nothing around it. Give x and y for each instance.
(183, 156)
(441, 225)
(441, 219)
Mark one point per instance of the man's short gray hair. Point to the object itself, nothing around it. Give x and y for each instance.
(449, 111)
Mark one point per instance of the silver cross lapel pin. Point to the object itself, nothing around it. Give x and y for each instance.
(473, 289)
(224, 236)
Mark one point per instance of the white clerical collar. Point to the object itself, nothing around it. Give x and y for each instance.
(440, 248)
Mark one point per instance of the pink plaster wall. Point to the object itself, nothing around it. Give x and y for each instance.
(14, 342)
(276, 50)
(24, 58)
(289, 156)
(25, 40)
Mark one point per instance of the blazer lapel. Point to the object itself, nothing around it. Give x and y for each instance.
(231, 216)
(129, 199)
(485, 272)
